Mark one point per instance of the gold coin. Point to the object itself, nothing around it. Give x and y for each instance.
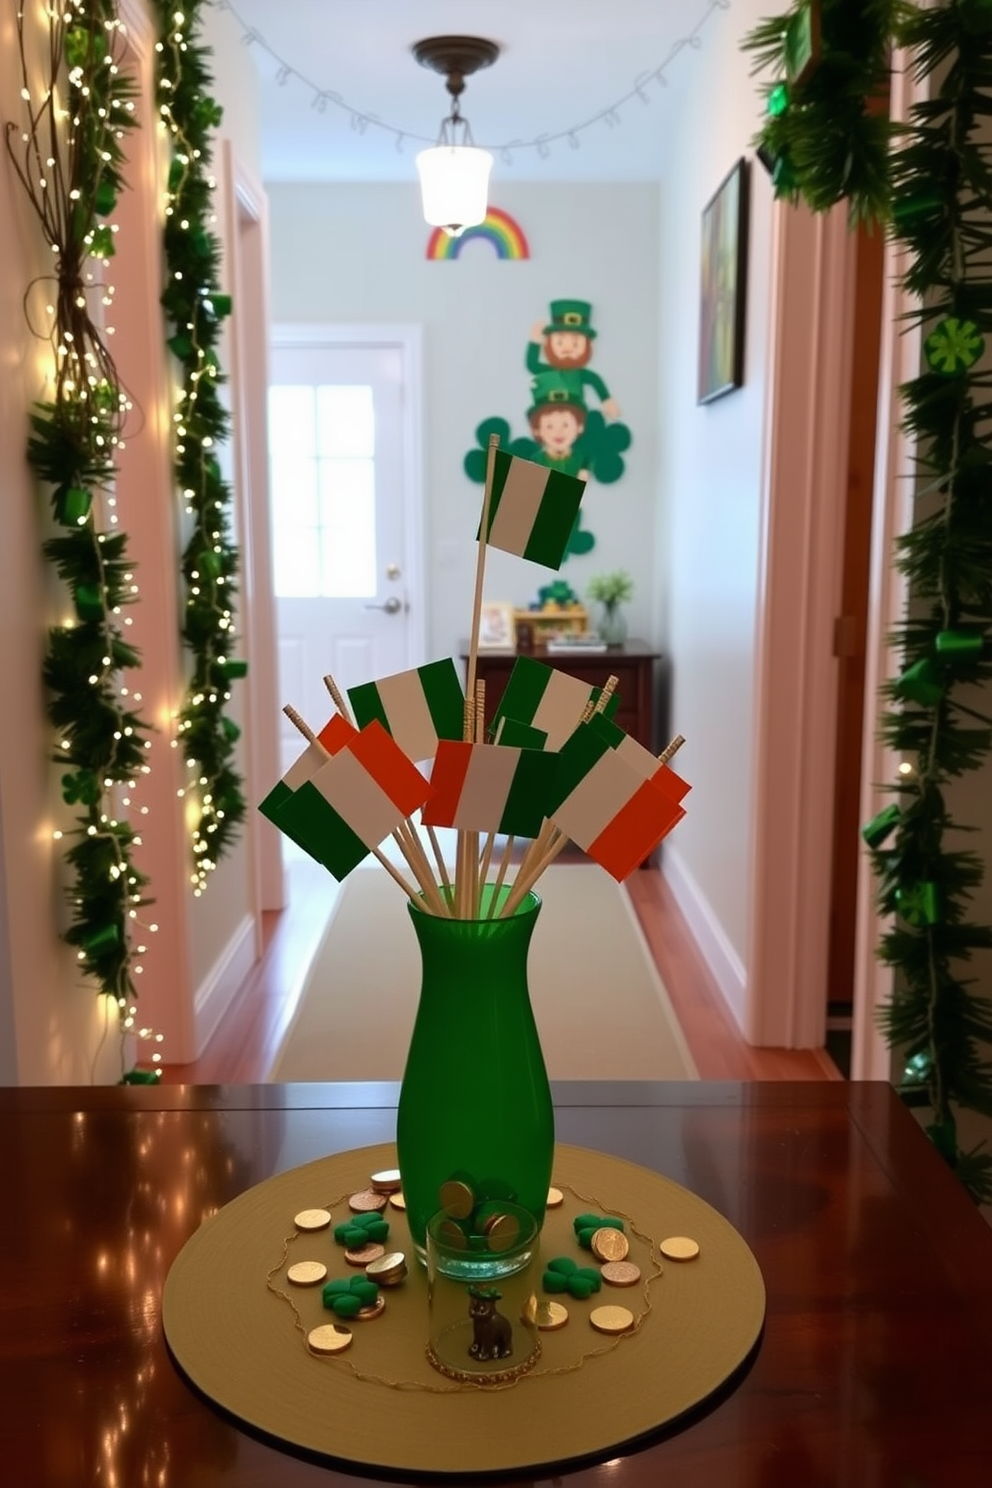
(457, 1199)
(550, 1316)
(306, 1273)
(364, 1254)
(388, 1268)
(367, 1202)
(608, 1244)
(611, 1319)
(620, 1273)
(368, 1313)
(679, 1248)
(502, 1231)
(329, 1339)
(452, 1235)
(312, 1219)
(555, 1197)
(397, 1200)
(387, 1181)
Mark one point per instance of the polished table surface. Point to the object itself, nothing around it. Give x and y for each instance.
(874, 1369)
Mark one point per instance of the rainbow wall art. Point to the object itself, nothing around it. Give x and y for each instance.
(499, 228)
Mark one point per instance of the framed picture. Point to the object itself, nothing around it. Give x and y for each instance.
(723, 284)
(496, 629)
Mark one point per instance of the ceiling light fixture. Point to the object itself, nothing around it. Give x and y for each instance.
(454, 176)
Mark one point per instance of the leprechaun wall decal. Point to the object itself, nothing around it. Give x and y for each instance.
(565, 434)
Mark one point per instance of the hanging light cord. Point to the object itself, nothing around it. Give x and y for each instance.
(361, 120)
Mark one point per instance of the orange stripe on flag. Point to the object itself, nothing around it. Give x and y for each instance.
(635, 831)
(670, 784)
(337, 733)
(389, 767)
(447, 780)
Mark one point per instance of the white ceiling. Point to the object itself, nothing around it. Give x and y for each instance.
(563, 64)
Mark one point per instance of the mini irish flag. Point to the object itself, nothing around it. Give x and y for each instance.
(532, 509)
(355, 799)
(608, 808)
(418, 707)
(335, 734)
(544, 698)
(489, 788)
(647, 765)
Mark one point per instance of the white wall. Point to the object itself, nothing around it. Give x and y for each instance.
(355, 254)
(709, 477)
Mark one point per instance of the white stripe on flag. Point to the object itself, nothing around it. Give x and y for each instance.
(597, 799)
(561, 707)
(306, 767)
(519, 505)
(486, 787)
(410, 722)
(358, 798)
(638, 758)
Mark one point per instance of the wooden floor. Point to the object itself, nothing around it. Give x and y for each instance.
(245, 1044)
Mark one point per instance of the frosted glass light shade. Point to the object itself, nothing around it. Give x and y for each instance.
(454, 184)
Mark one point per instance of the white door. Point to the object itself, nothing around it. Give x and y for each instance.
(339, 495)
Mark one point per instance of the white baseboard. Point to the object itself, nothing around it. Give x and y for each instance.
(721, 958)
(216, 991)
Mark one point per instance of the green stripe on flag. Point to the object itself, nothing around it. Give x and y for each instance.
(607, 730)
(524, 691)
(444, 696)
(577, 756)
(555, 518)
(530, 790)
(518, 735)
(367, 705)
(322, 832)
(275, 800)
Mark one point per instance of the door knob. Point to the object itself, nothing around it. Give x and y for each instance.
(392, 605)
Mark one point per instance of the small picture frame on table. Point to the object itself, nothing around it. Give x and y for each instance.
(723, 282)
(496, 626)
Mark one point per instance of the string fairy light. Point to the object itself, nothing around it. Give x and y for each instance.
(361, 120)
(68, 158)
(195, 307)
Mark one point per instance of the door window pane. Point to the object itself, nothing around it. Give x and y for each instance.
(296, 562)
(345, 421)
(347, 501)
(292, 419)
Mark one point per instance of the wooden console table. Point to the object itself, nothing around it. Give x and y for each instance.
(874, 1370)
(634, 663)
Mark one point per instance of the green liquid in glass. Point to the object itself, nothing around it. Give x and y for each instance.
(475, 1103)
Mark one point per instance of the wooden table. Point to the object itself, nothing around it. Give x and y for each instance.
(634, 663)
(875, 1369)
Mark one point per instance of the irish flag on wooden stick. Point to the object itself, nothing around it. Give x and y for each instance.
(532, 509)
(418, 707)
(489, 788)
(608, 808)
(335, 734)
(647, 765)
(545, 699)
(354, 800)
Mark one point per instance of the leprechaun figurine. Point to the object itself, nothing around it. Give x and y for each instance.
(567, 343)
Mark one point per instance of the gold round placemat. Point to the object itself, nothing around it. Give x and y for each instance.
(240, 1343)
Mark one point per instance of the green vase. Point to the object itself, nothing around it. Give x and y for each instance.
(613, 625)
(475, 1104)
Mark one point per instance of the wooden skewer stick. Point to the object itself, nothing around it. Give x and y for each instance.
(442, 867)
(480, 568)
(311, 738)
(671, 749)
(523, 884)
(338, 699)
(501, 874)
(484, 868)
(409, 845)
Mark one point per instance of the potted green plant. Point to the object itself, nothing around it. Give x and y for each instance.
(611, 590)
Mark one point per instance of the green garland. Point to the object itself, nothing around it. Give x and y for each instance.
(939, 183)
(69, 159)
(195, 308)
(826, 132)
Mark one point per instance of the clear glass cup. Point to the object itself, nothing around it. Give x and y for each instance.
(481, 1290)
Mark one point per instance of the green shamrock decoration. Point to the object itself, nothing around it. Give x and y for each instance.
(600, 446)
(82, 787)
(953, 346)
(475, 460)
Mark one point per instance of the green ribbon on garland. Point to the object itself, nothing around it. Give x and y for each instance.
(88, 600)
(234, 669)
(880, 826)
(959, 643)
(141, 1077)
(103, 939)
(230, 729)
(221, 304)
(920, 683)
(919, 905)
(102, 243)
(105, 198)
(212, 562)
(778, 100)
